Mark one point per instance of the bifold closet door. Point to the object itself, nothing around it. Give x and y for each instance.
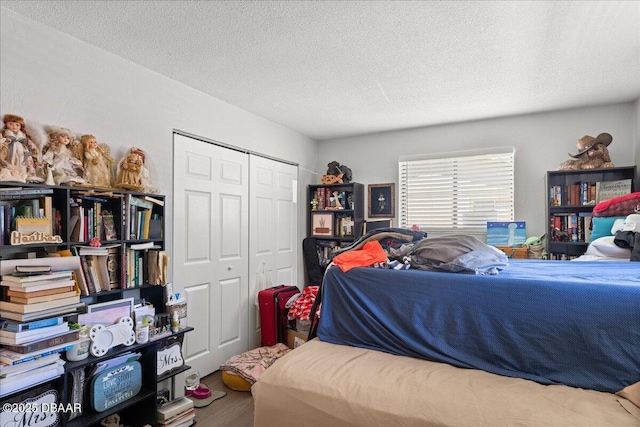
(210, 240)
(273, 219)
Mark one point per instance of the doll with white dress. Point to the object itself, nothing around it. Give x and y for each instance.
(98, 163)
(19, 149)
(66, 167)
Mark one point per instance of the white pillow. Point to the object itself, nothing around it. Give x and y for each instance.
(618, 224)
(604, 247)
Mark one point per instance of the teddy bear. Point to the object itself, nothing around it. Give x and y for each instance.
(592, 154)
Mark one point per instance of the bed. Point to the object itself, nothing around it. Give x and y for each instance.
(541, 343)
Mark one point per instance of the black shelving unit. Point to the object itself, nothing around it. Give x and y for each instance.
(568, 247)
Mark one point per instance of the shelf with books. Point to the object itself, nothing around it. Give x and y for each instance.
(79, 217)
(571, 196)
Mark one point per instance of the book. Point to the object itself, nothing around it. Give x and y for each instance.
(153, 200)
(31, 308)
(38, 277)
(11, 326)
(182, 418)
(12, 358)
(140, 246)
(9, 370)
(26, 191)
(38, 286)
(16, 376)
(174, 408)
(31, 269)
(606, 190)
(44, 298)
(45, 343)
(13, 338)
(31, 380)
(27, 317)
(20, 292)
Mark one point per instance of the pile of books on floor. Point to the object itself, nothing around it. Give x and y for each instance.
(31, 353)
(178, 413)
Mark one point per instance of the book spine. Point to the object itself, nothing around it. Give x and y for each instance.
(44, 344)
(17, 361)
(36, 324)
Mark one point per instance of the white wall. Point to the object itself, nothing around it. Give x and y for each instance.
(541, 141)
(54, 79)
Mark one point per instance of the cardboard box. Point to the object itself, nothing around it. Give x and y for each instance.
(295, 339)
(511, 252)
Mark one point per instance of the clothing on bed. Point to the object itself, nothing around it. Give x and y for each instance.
(552, 322)
(630, 240)
(458, 254)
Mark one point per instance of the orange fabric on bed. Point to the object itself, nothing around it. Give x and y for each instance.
(370, 253)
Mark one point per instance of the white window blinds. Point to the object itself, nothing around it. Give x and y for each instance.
(457, 192)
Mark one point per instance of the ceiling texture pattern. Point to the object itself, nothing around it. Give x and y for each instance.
(331, 69)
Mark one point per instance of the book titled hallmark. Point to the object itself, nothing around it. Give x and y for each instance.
(606, 190)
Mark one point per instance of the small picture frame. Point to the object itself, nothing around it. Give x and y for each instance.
(321, 224)
(372, 225)
(107, 313)
(382, 200)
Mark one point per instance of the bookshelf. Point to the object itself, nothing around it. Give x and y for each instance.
(130, 227)
(571, 196)
(336, 216)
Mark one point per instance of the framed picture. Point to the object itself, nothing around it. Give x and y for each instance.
(382, 200)
(321, 224)
(107, 313)
(372, 225)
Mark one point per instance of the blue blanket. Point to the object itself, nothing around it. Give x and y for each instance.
(553, 322)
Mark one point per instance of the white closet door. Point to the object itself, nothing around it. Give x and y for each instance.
(272, 228)
(210, 263)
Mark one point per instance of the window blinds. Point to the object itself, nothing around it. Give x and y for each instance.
(457, 192)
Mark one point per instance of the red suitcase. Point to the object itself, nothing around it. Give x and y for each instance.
(273, 315)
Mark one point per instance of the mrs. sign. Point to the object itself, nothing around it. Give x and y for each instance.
(169, 358)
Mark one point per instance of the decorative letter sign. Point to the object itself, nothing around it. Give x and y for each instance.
(169, 358)
(40, 411)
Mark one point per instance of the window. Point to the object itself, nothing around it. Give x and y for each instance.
(457, 192)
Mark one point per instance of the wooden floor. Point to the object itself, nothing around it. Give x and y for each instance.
(233, 410)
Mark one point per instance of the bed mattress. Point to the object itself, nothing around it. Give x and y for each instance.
(323, 384)
(553, 322)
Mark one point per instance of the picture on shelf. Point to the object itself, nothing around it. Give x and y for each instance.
(382, 200)
(321, 224)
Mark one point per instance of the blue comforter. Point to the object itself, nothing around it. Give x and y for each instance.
(554, 322)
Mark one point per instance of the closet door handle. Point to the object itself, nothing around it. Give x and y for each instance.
(229, 268)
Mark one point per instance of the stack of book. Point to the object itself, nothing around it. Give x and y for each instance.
(179, 413)
(31, 353)
(31, 295)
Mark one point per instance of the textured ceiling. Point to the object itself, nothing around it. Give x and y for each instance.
(329, 69)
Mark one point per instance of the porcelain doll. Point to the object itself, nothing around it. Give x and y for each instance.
(66, 167)
(20, 146)
(98, 164)
(133, 172)
(130, 171)
(9, 172)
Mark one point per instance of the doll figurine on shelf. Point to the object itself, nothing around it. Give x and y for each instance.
(133, 174)
(20, 148)
(98, 163)
(9, 172)
(66, 167)
(130, 170)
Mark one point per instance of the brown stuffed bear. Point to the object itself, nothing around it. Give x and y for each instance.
(592, 154)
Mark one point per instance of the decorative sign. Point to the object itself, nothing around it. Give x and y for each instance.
(115, 386)
(18, 238)
(39, 411)
(169, 358)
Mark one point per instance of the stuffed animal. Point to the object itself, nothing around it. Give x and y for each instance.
(592, 154)
(337, 173)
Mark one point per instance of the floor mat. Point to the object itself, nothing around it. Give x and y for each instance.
(201, 403)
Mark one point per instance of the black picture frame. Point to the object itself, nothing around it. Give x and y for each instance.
(382, 200)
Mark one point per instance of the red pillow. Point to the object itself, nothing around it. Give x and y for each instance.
(618, 206)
